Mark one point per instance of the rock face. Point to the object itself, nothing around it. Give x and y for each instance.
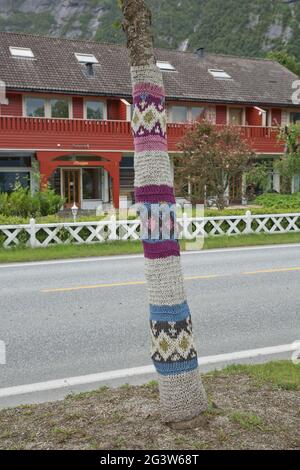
(248, 27)
(70, 18)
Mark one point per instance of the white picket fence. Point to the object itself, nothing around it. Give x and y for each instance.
(42, 235)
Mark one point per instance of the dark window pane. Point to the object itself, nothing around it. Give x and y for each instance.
(295, 118)
(15, 161)
(91, 183)
(55, 182)
(35, 107)
(9, 179)
(127, 162)
(179, 113)
(59, 108)
(94, 110)
(197, 113)
(127, 177)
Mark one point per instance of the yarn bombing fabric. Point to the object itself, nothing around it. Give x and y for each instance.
(174, 355)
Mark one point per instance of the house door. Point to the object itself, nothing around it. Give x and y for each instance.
(235, 189)
(71, 187)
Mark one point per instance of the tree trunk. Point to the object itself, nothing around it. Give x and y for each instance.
(182, 397)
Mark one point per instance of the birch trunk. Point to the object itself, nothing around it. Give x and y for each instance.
(182, 397)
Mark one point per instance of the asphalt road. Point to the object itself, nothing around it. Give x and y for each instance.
(71, 318)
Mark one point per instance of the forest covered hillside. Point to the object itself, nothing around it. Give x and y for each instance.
(247, 27)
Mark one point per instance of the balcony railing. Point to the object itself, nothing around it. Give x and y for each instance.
(43, 133)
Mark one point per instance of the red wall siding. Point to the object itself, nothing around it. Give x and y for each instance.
(113, 110)
(77, 108)
(116, 110)
(221, 114)
(14, 107)
(276, 117)
(253, 118)
(122, 111)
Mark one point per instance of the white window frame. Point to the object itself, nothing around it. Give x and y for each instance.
(47, 100)
(13, 52)
(189, 111)
(267, 122)
(165, 66)
(243, 115)
(86, 100)
(219, 74)
(90, 58)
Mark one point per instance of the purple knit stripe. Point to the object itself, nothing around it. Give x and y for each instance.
(156, 130)
(153, 90)
(145, 100)
(161, 249)
(153, 142)
(155, 194)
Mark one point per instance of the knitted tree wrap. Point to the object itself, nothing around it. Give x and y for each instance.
(173, 349)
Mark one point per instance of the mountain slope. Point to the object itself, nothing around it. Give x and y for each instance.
(247, 27)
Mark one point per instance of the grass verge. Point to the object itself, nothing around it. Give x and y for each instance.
(21, 254)
(249, 409)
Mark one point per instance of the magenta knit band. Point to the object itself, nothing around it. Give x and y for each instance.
(155, 194)
(161, 249)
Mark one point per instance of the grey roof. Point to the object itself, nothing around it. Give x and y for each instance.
(55, 68)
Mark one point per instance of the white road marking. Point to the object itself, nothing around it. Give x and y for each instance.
(127, 257)
(136, 371)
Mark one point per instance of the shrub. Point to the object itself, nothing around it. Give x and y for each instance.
(50, 202)
(287, 201)
(21, 203)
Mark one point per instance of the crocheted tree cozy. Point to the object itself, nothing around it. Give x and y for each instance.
(182, 396)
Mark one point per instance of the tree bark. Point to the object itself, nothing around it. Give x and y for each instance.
(182, 397)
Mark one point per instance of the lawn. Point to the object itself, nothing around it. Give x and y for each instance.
(22, 254)
(251, 407)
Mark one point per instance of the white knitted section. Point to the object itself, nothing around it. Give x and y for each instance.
(182, 396)
(165, 281)
(147, 74)
(152, 168)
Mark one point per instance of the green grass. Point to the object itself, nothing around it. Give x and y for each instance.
(281, 374)
(247, 421)
(23, 254)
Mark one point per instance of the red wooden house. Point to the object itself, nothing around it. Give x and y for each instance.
(68, 111)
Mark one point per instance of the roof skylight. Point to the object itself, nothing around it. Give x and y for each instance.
(220, 74)
(86, 58)
(165, 65)
(23, 52)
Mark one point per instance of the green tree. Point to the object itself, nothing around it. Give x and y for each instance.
(289, 164)
(287, 60)
(211, 157)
